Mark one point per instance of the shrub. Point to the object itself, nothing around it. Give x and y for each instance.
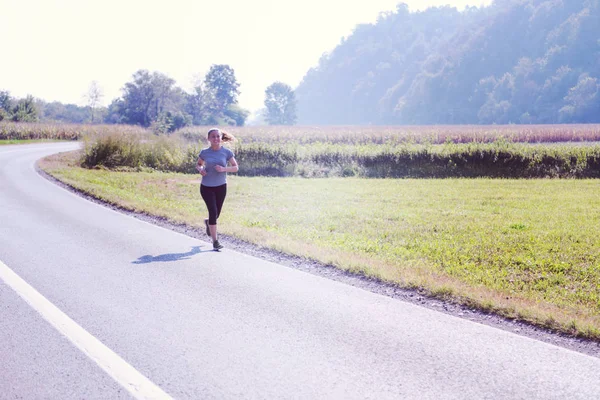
(112, 150)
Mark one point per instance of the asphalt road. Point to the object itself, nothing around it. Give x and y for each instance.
(95, 304)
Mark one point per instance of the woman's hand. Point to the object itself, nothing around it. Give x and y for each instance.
(220, 168)
(201, 169)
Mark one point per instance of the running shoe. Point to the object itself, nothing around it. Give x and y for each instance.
(217, 245)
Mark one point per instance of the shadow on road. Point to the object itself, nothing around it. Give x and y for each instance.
(169, 256)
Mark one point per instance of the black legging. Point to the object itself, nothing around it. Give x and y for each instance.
(213, 196)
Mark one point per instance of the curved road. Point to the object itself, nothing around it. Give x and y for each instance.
(95, 304)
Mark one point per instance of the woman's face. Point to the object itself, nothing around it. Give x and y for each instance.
(214, 138)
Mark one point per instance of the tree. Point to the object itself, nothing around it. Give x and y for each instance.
(582, 101)
(221, 81)
(138, 96)
(5, 104)
(59, 112)
(25, 110)
(116, 112)
(168, 122)
(237, 114)
(200, 105)
(280, 102)
(147, 96)
(167, 97)
(94, 98)
(214, 101)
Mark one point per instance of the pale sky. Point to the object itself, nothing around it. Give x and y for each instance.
(54, 49)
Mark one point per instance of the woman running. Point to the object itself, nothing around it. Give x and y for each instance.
(212, 165)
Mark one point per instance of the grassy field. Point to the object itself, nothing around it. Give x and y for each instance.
(526, 249)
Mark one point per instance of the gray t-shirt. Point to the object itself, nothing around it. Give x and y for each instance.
(211, 159)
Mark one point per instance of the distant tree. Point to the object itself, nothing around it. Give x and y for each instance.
(93, 98)
(167, 97)
(115, 113)
(138, 97)
(57, 111)
(179, 120)
(168, 122)
(200, 105)
(583, 101)
(146, 97)
(5, 100)
(25, 110)
(5, 104)
(280, 102)
(214, 100)
(237, 114)
(552, 94)
(221, 80)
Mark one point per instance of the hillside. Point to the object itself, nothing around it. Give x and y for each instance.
(516, 61)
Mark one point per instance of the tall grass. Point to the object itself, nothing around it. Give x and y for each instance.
(54, 131)
(139, 151)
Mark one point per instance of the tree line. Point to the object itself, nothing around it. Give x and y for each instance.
(515, 61)
(152, 100)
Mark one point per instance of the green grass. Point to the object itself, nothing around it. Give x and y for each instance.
(526, 249)
(4, 142)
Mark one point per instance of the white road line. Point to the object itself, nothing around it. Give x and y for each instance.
(127, 376)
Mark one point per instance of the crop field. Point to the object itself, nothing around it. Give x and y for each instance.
(408, 134)
(330, 134)
(523, 248)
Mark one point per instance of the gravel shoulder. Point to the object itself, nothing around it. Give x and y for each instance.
(366, 283)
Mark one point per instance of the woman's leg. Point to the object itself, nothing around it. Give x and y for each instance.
(210, 199)
(220, 192)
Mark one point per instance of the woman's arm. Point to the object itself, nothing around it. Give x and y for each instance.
(234, 165)
(232, 168)
(200, 166)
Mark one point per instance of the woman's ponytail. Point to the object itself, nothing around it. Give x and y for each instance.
(226, 137)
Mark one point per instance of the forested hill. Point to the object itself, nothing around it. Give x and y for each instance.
(515, 61)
